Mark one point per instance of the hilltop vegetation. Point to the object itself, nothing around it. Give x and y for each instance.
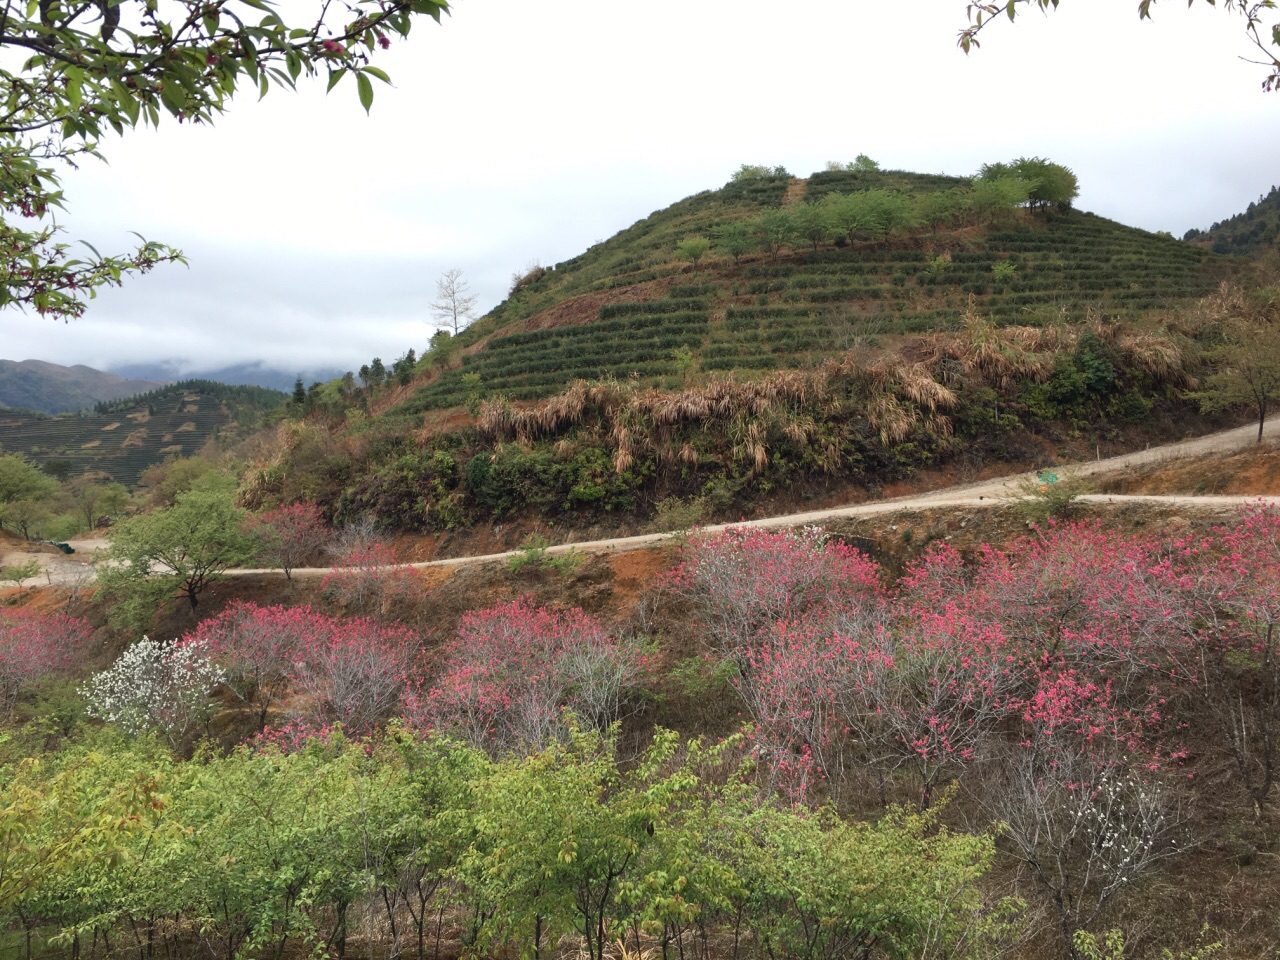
(1251, 231)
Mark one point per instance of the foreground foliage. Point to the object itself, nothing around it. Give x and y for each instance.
(245, 854)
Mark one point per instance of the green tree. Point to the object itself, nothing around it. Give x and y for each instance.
(735, 239)
(1048, 184)
(1263, 37)
(775, 230)
(21, 481)
(756, 171)
(173, 551)
(93, 498)
(812, 222)
(996, 197)
(77, 71)
(693, 249)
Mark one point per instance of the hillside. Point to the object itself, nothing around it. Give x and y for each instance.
(629, 307)
(52, 388)
(961, 337)
(1249, 232)
(125, 436)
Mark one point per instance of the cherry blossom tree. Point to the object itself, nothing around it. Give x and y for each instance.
(34, 645)
(514, 667)
(287, 535)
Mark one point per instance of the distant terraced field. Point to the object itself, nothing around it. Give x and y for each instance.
(119, 444)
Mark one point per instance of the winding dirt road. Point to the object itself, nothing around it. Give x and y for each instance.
(63, 570)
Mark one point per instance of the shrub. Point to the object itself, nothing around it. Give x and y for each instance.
(512, 669)
(33, 646)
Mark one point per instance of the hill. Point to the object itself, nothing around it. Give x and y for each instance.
(52, 388)
(1252, 231)
(125, 436)
(805, 362)
(629, 307)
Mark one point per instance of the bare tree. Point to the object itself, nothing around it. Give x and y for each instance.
(455, 303)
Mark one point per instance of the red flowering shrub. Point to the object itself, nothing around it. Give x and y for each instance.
(34, 645)
(287, 535)
(513, 668)
(368, 581)
(335, 670)
(748, 578)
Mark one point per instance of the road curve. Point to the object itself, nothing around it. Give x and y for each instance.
(979, 495)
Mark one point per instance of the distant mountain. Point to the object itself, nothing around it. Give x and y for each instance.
(1257, 228)
(242, 374)
(52, 388)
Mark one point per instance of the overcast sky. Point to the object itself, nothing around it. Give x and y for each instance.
(523, 131)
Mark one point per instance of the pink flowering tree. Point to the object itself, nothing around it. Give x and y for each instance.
(741, 582)
(36, 645)
(258, 648)
(368, 581)
(1216, 603)
(513, 669)
(353, 672)
(288, 535)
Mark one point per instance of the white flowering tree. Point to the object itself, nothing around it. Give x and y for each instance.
(156, 686)
(1084, 826)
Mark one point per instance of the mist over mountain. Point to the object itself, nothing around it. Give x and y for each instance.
(241, 374)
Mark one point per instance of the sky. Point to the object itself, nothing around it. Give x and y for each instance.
(521, 132)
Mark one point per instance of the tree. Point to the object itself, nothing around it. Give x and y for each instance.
(1248, 358)
(34, 645)
(287, 535)
(812, 222)
(735, 239)
(1265, 38)
(21, 480)
(93, 498)
(155, 686)
(179, 548)
(775, 230)
(74, 72)
(514, 667)
(454, 303)
(693, 249)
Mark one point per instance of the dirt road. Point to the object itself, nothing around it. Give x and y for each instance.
(75, 570)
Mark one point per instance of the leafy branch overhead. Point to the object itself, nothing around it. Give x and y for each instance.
(86, 69)
(1264, 37)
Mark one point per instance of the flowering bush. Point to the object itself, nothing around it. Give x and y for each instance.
(368, 581)
(352, 672)
(287, 535)
(155, 686)
(338, 670)
(258, 647)
(34, 645)
(747, 578)
(514, 667)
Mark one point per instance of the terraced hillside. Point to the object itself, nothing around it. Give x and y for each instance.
(653, 373)
(172, 421)
(629, 308)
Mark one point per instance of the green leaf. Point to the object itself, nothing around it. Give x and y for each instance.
(365, 88)
(334, 77)
(377, 72)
